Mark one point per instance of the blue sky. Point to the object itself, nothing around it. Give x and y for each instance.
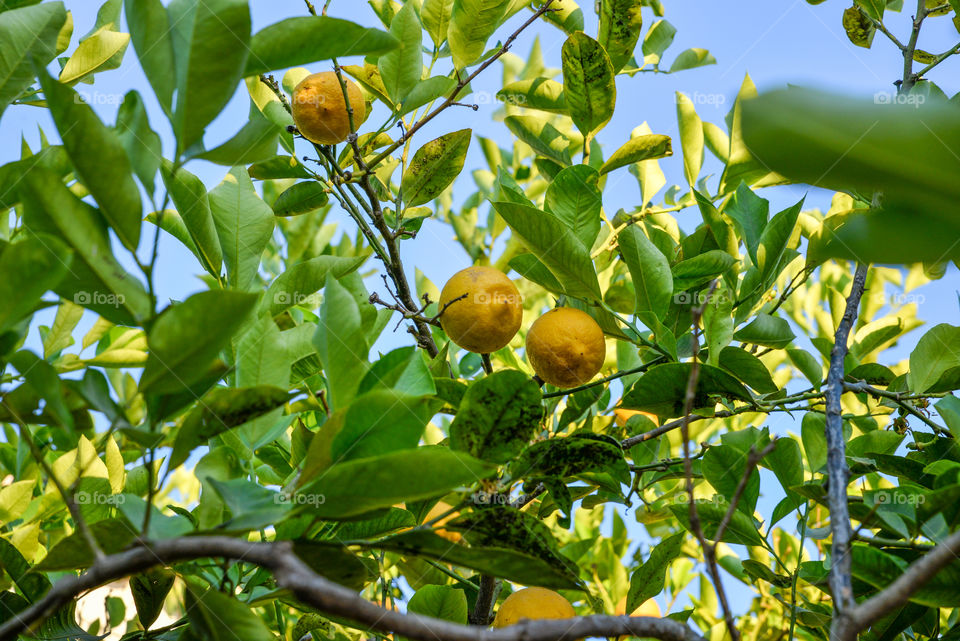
(777, 43)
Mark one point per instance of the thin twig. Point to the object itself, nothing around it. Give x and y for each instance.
(841, 582)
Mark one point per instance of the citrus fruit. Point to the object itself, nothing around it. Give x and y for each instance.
(482, 309)
(623, 415)
(438, 509)
(565, 346)
(319, 110)
(532, 603)
(648, 608)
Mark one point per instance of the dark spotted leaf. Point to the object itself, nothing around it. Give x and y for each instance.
(220, 410)
(434, 167)
(562, 457)
(497, 417)
(662, 389)
(149, 591)
(588, 83)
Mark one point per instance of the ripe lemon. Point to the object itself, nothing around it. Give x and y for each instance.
(623, 415)
(532, 603)
(319, 110)
(451, 535)
(489, 313)
(648, 608)
(565, 346)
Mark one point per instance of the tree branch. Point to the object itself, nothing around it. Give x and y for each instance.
(330, 598)
(841, 582)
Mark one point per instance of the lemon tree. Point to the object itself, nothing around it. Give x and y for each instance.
(688, 418)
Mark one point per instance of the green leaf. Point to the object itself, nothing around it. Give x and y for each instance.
(648, 580)
(336, 562)
(401, 67)
(588, 84)
(662, 389)
(33, 585)
(379, 422)
(300, 198)
(29, 270)
(149, 590)
(60, 335)
(507, 527)
(497, 417)
(341, 343)
(718, 323)
(150, 31)
(211, 41)
(299, 283)
(190, 197)
(256, 140)
(425, 92)
(101, 51)
(141, 143)
(748, 368)
(749, 212)
(435, 15)
(440, 602)
(43, 378)
(692, 58)
(639, 148)
(773, 242)
(573, 455)
(27, 33)
(813, 434)
(564, 13)
(620, 27)
(542, 94)
(95, 278)
(404, 370)
(650, 272)
(934, 363)
(359, 486)
(574, 198)
(541, 136)
(723, 466)
(786, 462)
(691, 138)
(206, 610)
(307, 39)
(244, 225)
(701, 269)
(504, 563)
(742, 166)
(472, 22)
(434, 167)
(187, 336)
(808, 365)
(220, 410)
(948, 408)
(99, 158)
(766, 330)
(555, 245)
(659, 37)
(740, 531)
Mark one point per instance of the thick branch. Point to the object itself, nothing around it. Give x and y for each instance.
(897, 593)
(328, 597)
(841, 585)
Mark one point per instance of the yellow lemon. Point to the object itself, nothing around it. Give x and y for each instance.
(532, 603)
(319, 110)
(482, 309)
(648, 608)
(565, 346)
(451, 535)
(623, 415)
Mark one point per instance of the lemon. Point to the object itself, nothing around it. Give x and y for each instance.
(565, 346)
(319, 110)
(623, 415)
(532, 603)
(451, 535)
(648, 608)
(482, 309)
